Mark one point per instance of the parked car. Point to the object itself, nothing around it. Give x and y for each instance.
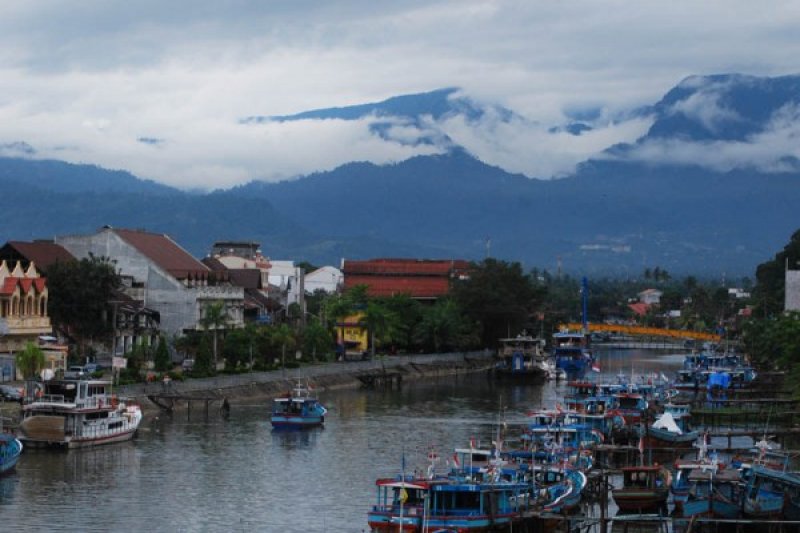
(91, 368)
(76, 372)
(10, 393)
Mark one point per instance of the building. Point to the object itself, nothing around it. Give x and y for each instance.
(128, 317)
(163, 276)
(259, 306)
(792, 293)
(650, 296)
(327, 279)
(23, 312)
(421, 279)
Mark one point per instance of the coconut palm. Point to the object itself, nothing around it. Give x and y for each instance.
(284, 336)
(215, 318)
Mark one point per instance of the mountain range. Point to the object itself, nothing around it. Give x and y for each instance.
(712, 187)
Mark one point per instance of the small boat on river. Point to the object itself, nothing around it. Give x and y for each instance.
(77, 413)
(298, 408)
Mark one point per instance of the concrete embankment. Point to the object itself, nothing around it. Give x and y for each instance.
(245, 388)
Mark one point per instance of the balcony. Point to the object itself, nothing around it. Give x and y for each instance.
(25, 325)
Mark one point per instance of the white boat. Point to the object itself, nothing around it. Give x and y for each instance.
(77, 413)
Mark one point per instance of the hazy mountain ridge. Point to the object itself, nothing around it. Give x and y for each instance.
(617, 213)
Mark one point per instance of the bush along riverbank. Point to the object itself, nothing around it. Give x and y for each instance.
(242, 388)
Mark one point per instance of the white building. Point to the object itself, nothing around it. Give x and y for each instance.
(792, 301)
(327, 279)
(650, 296)
(162, 275)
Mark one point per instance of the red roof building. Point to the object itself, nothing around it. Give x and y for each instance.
(424, 279)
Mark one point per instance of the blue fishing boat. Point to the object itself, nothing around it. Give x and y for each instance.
(297, 409)
(447, 504)
(10, 450)
(571, 352)
(558, 490)
(766, 491)
(672, 429)
(710, 491)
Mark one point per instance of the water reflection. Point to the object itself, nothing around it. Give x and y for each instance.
(293, 438)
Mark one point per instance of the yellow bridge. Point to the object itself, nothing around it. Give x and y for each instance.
(645, 331)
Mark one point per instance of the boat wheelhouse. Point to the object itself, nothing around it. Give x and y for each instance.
(645, 489)
(571, 351)
(78, 413)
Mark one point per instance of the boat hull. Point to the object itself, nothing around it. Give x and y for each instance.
(709, 507)
(11, 451)
(640, 500)
(281, 421)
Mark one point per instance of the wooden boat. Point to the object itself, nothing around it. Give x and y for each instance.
(767, 491)
(10, 450)
(710, 492)
(297, 409)
(447, 504)
(671, 429)
(645, 489)
(78, 413)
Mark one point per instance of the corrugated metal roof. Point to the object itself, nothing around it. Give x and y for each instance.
(165, 252)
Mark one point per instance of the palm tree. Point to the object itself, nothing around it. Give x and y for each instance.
(380, 322)
(216, 318)
(30, 360)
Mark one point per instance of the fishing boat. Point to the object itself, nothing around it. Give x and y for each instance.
(671, 429)
(522, 359)
(447, 504)
(559, 490)
(645, 488)
(571, 352)
(10, 450)
(298, 408)
(77, 413)
(710, 491)
(766, 491)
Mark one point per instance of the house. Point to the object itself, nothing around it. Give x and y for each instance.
(650, 296)
(23, 312)
(162, 275)
(327, 279)
(421, 279)
(792, 291)
(259, 306)
(639, 308)
(129, 318)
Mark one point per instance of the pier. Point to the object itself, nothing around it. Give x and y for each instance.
(168, 400)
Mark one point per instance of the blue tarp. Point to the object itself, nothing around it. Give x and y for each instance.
(719, 379)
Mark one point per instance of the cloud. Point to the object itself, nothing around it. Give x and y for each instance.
(775, 149)
(83, 81)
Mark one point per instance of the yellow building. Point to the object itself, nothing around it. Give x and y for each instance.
(351, 336)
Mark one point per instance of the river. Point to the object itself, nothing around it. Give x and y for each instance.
(240, 475)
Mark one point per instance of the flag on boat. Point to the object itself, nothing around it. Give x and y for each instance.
(472, 443)
(595, 367)
(641, 445)
(455, 460)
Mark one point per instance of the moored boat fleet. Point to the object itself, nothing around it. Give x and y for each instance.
(538, 471)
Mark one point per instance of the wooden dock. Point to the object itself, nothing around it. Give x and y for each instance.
(168, 400)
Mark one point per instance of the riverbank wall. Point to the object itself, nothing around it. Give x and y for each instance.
(258, 386)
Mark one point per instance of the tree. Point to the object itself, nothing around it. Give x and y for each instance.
(499, 296)
(79, 294)
(161, 358)
(284, 337)
(408, 314)
(137, 357)
(380, 323)
(316, 340)
(204, 364)
(30, 360)
(769, 292)
(443, 327)
(215, 318)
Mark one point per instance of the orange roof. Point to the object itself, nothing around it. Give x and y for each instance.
(42, 253)
(419, 278)
(639, 308)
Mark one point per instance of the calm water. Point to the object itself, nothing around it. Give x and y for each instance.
(240, 475)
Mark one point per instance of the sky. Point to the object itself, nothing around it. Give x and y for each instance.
(160, 88)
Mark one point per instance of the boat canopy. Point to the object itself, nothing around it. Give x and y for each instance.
(667, 422)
